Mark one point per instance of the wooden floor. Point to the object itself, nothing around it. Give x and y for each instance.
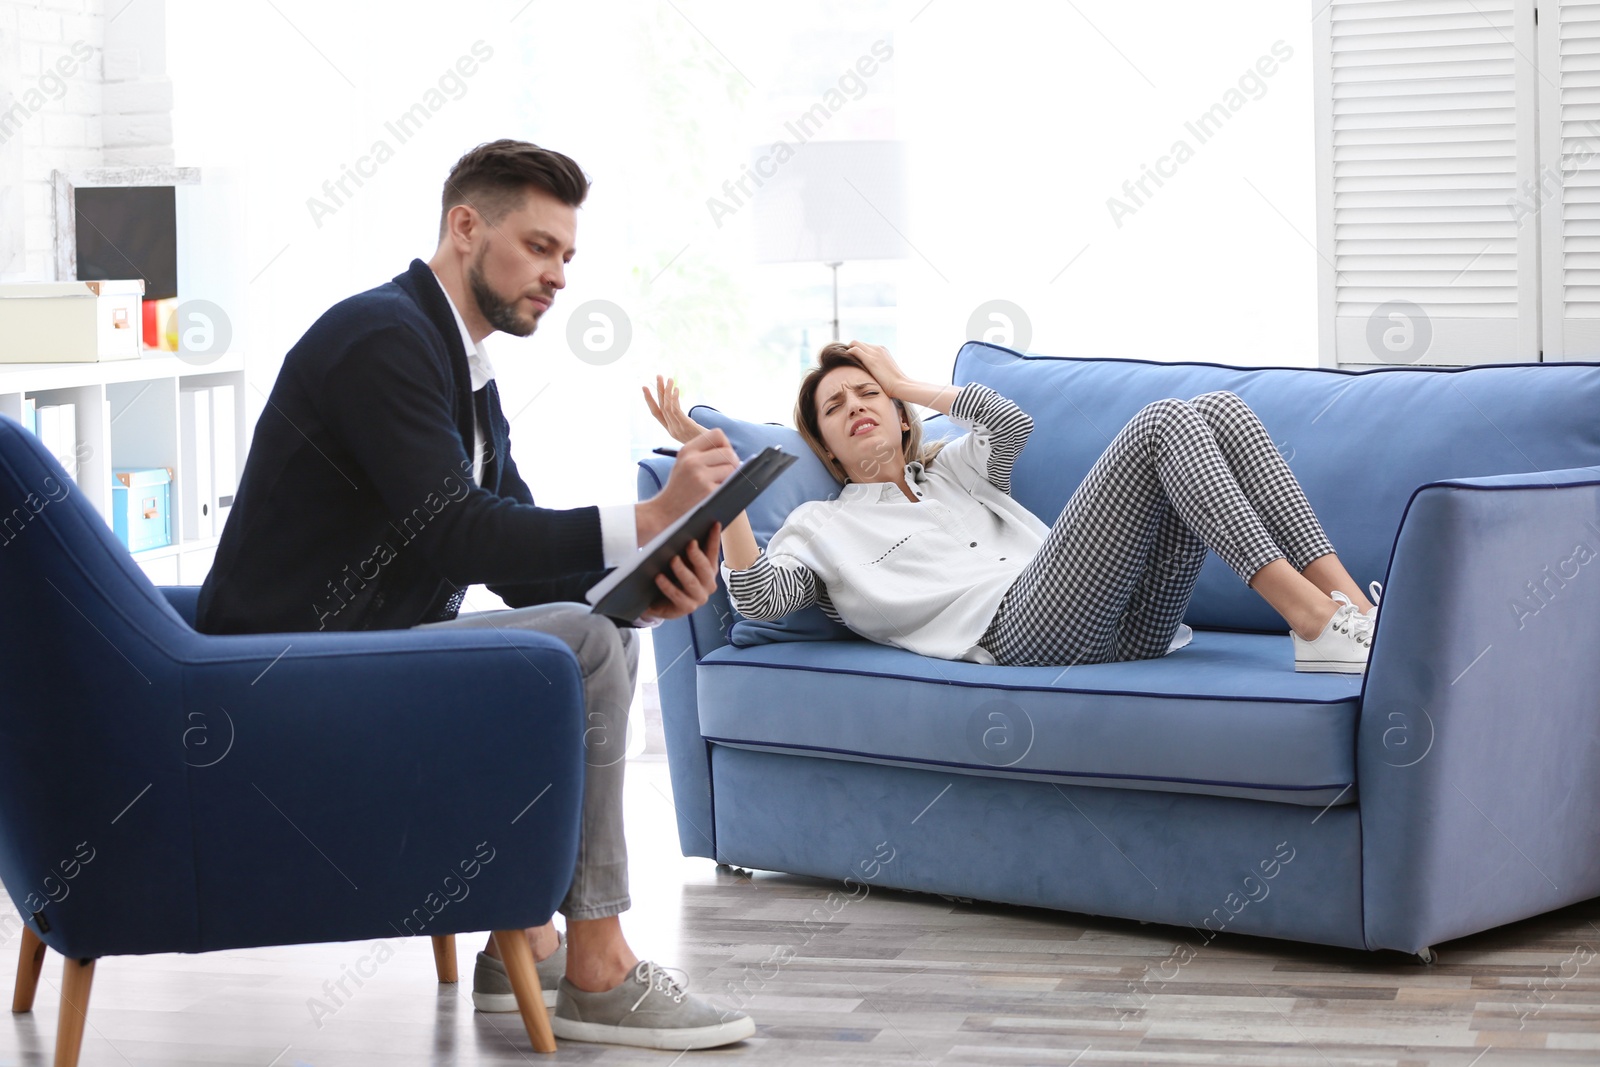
(893, 979)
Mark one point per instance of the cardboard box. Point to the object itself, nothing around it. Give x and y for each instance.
(141, 512)
(70, 322)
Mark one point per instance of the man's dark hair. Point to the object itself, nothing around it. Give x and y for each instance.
(494, 179)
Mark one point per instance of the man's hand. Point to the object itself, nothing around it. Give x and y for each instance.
(703, 464)
(696, 579)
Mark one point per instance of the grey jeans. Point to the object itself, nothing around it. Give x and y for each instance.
(608, 658)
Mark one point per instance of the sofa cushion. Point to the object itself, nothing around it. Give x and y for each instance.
(1358, 441)
(1227, 715)
(807, 479)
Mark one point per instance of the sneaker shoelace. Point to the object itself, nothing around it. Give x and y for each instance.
(1350, 622)
(658, 979)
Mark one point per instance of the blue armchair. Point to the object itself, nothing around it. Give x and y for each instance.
(167, 791)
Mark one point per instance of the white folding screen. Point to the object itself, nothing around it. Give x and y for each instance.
(1566, 196)
(1426, 135)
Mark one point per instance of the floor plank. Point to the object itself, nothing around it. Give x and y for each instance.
(893, 978)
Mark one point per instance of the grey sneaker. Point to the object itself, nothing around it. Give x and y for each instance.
(649, 1009)
(491, 988)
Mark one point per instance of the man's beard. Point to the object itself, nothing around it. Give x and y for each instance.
(496, 309)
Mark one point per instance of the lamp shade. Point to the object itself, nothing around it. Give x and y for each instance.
(832, 201)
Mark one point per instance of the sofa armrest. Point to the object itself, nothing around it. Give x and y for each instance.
(679, 644)
(1478, 749)
(380, 784)
(185, 600)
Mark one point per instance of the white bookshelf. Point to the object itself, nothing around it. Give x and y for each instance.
(127, 416)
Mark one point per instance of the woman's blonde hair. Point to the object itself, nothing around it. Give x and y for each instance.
(832, 357)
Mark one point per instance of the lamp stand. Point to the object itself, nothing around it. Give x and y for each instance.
(835, 267)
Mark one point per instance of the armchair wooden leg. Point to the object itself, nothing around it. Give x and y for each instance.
(517, 956)
(29, 962)
(76, 978)
(444, 957)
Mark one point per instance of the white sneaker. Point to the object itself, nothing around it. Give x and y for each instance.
(1341, 647)
(1374, 594)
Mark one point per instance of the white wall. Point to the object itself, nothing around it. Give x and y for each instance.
(48, 120)
(1026, 118)
(78, 88)
(1021, 120)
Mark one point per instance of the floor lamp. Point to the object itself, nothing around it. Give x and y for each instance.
(831, 202)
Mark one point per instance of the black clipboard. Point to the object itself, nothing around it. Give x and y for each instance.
(629, 590)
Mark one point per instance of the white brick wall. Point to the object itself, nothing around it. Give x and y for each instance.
(50, 121)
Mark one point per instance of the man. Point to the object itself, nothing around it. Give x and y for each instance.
(380, 484)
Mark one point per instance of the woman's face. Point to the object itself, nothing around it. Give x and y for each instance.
(860, 425)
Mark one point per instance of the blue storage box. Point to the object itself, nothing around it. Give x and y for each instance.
(141, 512)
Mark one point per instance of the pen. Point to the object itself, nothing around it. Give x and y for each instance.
(665, 451)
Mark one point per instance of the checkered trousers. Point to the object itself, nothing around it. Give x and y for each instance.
(1115, 575)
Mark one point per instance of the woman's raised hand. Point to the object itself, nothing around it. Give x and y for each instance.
(669, 412)
(880, 365)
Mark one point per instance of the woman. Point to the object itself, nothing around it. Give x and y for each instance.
(933, 555)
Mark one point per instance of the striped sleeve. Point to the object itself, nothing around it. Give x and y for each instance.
(999, 429)
(766, 590)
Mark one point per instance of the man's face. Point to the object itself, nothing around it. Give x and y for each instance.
(521, 262)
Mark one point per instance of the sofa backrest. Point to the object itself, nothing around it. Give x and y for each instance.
(1360, 442)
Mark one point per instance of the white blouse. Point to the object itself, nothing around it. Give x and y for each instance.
(924, 575)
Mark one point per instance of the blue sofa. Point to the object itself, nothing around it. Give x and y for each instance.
(1453, 788)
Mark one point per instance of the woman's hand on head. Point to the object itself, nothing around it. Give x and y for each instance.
(668, 411)
(880, 365)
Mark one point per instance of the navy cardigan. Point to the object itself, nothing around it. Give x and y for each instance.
(357, 509)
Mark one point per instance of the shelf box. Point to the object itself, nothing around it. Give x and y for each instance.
(141, 508)
(71, 322)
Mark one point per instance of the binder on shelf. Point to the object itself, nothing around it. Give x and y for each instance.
(58, 431)
(224, 454)
(195, 483)
(30, 415)
(48, 417)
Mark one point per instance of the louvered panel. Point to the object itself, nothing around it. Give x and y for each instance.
(1356, 76)
(1417, 163)
(1422, 203)
(1471, 138)
(1578, 85)
(1355, 266)
(1402, 246)
(1358, 183)
(1423, 101)
(1432, 117)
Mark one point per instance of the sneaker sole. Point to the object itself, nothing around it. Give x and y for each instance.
(673, 1040)
(1329, 667)
(497, 1002)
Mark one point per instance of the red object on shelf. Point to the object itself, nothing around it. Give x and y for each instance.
(151, 331)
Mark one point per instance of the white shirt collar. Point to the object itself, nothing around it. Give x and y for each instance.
(477, 358)
(886, 490)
